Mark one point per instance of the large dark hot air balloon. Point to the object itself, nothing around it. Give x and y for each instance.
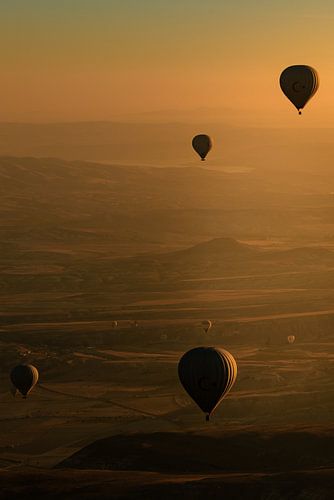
(24, 378)
(207, 374)
(299, 84)
(202, 145)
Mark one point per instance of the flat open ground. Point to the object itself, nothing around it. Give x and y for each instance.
(109, 418)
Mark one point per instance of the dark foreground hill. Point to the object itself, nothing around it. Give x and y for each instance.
(242, 451)
(88, 485)
(295, 464)
(96, 485)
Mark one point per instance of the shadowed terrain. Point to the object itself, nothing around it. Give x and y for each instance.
(159, 250)
(241, 451)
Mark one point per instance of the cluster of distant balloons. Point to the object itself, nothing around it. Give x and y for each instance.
(299, 83)
(206, 373)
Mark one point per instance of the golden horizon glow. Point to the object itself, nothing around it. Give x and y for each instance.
(105, 60)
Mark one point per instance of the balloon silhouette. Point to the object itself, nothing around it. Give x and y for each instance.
(207, 325)
(24, 378)
(299, 84)
(202, 145)
(207, 374)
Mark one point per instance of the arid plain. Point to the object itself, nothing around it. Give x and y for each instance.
(158, 250)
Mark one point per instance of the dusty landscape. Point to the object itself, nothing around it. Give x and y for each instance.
(166, 250)
(109, 415)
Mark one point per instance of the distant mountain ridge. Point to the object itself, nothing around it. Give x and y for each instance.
(160, 143)
(218, 246)
(235, 250)
(77, 206)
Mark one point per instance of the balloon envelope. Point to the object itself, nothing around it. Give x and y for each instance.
(207, 325)
(202, 145)
(207, 374)
(24, 378)
(291, 339)
(299, 83)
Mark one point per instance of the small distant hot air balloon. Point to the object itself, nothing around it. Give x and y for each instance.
(114, 324)
(299, 83)
(202, 145)
(291, 339)
(207, 374)
(24, 378)
(207, 325)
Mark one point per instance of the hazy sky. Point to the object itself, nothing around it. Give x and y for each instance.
(106, 59)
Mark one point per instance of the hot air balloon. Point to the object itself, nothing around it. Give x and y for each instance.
(202, 145)
(24, 378)
(299, 83)
(291, 339)
(207, 325)
(114, 324)
(207, 374)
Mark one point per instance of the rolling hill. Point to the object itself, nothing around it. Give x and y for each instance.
(73, 207)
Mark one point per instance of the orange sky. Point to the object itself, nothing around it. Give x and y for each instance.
(184, 59)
